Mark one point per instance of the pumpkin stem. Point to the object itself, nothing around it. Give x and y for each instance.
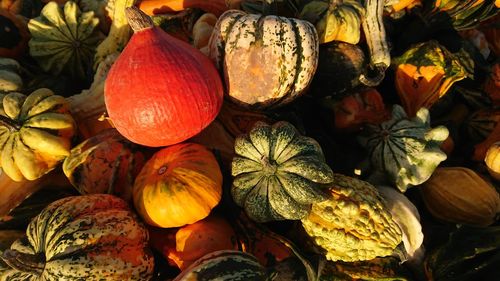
(137, 19)
(34, 264)
(9, 123)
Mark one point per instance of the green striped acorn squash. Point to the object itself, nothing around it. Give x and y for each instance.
(88, 237)
(64, 39)
(404, 151)
(224, 265)
(241, 42)
(35, 133)
(10, 78)
(335, 20)
(278, 173)
(104, 163)
(353, 224)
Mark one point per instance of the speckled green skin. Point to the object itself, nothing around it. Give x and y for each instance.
(225, 265)
(278, 173)
(89, 237)
(353, 224)
(405, 151)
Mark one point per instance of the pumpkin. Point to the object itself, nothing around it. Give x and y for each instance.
(10, 79)
(335, 20)
(35, 133)
(481, 149)
(225, 265)
(119, 31)
(405, 151)
(492, 160)
(277, 173)
(105, 163)
(91, 237)
(217, 7)
(353, 224)
(240, 43)
(459, 195)
(14, 34)
(202, 30)
(179, 185)
(64, 39)
(185, 245)
(353, 111)
(182, 98)
(470, 253)
(425, 73)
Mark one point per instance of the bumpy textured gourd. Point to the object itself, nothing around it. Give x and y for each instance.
(278, 173)
(353, 224)
(404, 151)
(335, 20)
(240, 44)
(90, 237)
(225, 265)
(63, 40)
(10, 79)
(35, 133)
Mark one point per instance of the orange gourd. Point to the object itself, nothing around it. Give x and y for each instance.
(179, 185)
(217, 7)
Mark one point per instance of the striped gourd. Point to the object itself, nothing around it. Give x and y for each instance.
(267, 61)
(89, 237)
(278, 173)
(64, 39)
(374, 30)
(10, 79)
(405, 151)
(225, 265)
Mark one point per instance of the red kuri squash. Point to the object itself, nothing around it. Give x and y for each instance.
(160, 91)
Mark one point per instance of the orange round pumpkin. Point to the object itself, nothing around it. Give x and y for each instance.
(179, 185)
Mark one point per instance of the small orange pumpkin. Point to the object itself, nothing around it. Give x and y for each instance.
(179, 185)
(185, 245)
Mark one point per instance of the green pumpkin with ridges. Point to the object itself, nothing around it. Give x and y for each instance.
(278, 173)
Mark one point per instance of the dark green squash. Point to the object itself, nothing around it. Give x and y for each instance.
(278, 173)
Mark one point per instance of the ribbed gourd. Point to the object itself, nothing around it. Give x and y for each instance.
(241, 42)
(91, 237)
(10, 79)
(278, 173)
(35, 133)
(404, 151)
(353, 224)
(64, 39)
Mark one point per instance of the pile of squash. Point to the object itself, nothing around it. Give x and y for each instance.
(249, 140)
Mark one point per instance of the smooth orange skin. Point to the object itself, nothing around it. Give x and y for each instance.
(179, 185)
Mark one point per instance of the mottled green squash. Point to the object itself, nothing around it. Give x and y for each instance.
(353, 224)
(241, 42)
(89, 237)
(404, 151)
(225, 265)
(278, 173)
(64, 39)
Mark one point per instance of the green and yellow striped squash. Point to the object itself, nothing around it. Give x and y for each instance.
(64, 40)
(104, 163)
(404, 151)
(10, 79)
(278, 173)
(335, 20)
(267, 61)
(353, 224)
(35, 133)
(224, 265)
(88, 237)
